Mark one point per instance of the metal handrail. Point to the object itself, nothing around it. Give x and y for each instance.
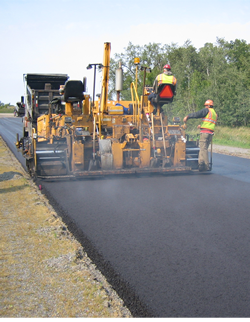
(135, 109)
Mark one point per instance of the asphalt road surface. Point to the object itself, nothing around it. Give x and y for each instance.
(9, 128)
(172, 246)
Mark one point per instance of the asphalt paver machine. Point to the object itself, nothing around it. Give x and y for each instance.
(68, 135)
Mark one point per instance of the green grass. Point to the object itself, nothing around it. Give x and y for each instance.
(236, 137)
(7, 109)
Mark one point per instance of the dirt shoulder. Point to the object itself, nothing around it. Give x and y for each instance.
(238, 152)
(6, 114)
(44, 271)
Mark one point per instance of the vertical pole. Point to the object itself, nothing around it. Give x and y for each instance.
(94, 86)
(136, 76)
(94, 139)
(163, 136)
(153, 132)
(142, 104)
(211, 155)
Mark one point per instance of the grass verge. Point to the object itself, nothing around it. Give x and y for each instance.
(223, 135)
(44, 271)
(7, 109)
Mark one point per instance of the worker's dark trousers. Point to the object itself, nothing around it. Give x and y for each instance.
(205, 140)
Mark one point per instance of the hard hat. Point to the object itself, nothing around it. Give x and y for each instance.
(209, 102)
(167, 67)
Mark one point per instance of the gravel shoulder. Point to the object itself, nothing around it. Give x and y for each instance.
(44, 272)
(238, 152)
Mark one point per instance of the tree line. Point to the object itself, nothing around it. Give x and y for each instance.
(2, 105)
(220, 72)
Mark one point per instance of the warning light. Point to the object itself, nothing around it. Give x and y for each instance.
(136, 60)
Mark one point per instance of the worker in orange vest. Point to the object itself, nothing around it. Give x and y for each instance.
(165, 78)
(209, 119)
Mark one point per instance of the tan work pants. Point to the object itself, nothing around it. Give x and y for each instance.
(205, 140)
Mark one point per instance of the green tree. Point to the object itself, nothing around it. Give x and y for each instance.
(220, 72)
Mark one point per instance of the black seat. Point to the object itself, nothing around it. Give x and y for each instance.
(73, 91)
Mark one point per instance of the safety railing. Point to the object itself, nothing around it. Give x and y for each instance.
(136, 103)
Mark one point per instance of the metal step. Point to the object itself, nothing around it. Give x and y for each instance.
(195, 149)
(192, 156)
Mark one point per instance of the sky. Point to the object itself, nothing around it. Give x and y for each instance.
(64, 36)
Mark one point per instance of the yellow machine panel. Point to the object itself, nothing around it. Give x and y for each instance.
(115, 110)
(43, 129)
(78, 156)
(145, 154)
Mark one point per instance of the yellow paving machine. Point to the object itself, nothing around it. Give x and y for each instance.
(68, 135)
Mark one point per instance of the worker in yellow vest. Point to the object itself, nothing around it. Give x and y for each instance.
(209, 119)
(165, 78)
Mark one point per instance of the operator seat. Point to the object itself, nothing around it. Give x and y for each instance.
(73, 91)
(165, 94)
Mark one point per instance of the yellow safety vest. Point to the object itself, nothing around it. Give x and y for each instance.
(166, 79)
(209, 121)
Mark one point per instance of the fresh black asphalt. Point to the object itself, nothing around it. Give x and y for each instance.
(172, 246)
